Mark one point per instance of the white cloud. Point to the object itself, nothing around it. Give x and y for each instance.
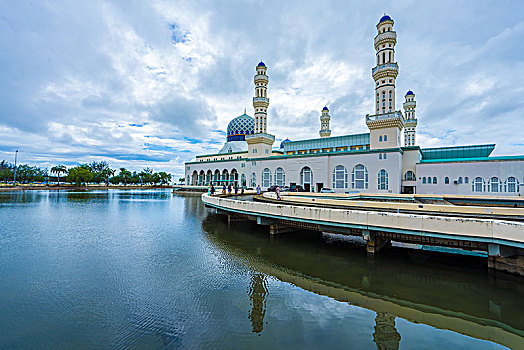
(151, 83)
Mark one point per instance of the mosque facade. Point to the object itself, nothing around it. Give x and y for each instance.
(385, 160)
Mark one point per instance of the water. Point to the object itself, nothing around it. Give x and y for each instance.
(149, 269)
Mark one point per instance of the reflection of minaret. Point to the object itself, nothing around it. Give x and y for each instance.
(257, 294)
(386, 335)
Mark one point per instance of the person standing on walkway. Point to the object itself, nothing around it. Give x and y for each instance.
(277, 191)
(229, 189)
(258, 190)
(236, 190)
(224, 189)
(212, 189)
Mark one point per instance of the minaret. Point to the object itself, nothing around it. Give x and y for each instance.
(411, 120)
(260, 143)
(386, 71)
(324, 123)
(260, 101)
(386, 124)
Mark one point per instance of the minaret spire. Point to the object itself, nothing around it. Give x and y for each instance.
(260, 143)
(260, 101)
(324, 123)
(411, 120)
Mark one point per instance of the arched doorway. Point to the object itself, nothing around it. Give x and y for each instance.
(233, 178)
(216, 177)
(201, 178)
(306, 178)
(194, 178)
(209, 176)
(225, 177)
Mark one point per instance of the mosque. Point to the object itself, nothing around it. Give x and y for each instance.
(385, 160)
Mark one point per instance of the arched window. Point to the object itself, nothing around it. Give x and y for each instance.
(478, 185)
(380, 138)
(243, 180)
(434, 180)
(410, 176)
(209, 176)
(382, 180)
(460, 180)
(306, 178)
(385, 137)
(494, 184)
(359, 177)
(280, 177)
(446, 180)
(266, 178)
(424, 180)
(340, 177)
(429, 179)
(253, 180)
(216, 177)
(512, 184)
(466, 180)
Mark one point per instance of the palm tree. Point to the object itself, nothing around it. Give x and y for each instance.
(125, 174)
(59, 169)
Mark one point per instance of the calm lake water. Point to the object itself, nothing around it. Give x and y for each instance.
(150, 269)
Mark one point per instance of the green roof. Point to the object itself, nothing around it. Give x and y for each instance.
(457, 152)
(476, 159)
(328, 142)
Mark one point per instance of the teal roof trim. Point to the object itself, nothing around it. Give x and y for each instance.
(478, 159)
(457, 152)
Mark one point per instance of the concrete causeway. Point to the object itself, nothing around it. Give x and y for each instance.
(502, 240)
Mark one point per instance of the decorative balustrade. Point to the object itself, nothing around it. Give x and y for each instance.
(384, 66)
(385, 36)
(261, 99)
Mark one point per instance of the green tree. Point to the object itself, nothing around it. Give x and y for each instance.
(59, 169)
(165, 178)
(79, 175)
(125, 175)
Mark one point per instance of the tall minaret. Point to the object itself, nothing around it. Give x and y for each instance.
(411, 120)
(260, 101)
(324, 123)
(260, 143)
(386, 71)
(385, 126)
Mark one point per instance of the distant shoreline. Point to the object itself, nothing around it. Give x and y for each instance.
(73, 187)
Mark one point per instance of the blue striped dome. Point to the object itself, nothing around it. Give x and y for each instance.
(238, 128)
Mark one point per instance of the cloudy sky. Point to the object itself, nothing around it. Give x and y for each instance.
(154, 83)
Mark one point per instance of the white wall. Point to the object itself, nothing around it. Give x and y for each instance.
(454, 170)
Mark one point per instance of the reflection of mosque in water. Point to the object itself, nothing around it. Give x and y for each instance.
(408, 284)
(257, 295)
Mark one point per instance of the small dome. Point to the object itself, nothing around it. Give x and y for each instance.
(409, 93)
(385, 18)
(325, 109)
(261, 64)
(283, 142)
(238, 128)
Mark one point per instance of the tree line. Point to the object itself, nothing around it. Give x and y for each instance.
(92, 173)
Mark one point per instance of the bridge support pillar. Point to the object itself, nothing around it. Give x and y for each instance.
(234, 218)
(278, 229)
(375, 242)
(504, 258)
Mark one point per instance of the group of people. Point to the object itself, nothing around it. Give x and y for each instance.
(229, 189)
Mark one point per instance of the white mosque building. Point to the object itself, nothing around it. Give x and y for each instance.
(374, 162)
